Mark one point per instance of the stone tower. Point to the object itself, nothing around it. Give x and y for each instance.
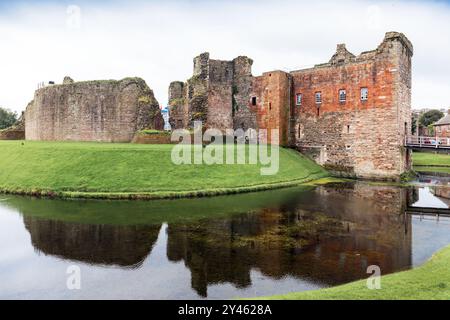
(352, 113)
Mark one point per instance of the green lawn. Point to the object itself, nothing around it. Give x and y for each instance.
(431, 159)
(126, 170)
(430, 162)
(430, 281)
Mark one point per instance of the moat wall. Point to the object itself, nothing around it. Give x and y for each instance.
(103, 111)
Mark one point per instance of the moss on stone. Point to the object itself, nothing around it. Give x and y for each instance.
(176, 102)
(145, 99)
(153, 132)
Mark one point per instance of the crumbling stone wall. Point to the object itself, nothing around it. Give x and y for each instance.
(244, 114)
(104, 111)
(217, 94)
(177, 104)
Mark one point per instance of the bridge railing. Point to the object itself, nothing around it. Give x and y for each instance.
(427, 142)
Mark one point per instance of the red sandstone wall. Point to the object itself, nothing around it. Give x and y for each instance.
(272, 92)
(360, 138)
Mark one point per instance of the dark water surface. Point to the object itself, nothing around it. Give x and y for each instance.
(225, 247)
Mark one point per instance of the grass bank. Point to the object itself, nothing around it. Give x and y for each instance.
(431, 163)
(128, 171)
(428, 282)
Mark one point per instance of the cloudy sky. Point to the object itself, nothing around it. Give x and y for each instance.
(157, 40)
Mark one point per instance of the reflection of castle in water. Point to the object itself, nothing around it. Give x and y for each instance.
(328, 236)
(124, 246)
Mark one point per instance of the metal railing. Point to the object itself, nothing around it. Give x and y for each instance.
(427, 142)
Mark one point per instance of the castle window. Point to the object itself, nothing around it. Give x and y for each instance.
(342, 95)
(253, 101)
(364, 94)
(299, 99)
(270, 105)
(318, 97)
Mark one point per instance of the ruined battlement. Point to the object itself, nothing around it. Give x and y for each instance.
(103, 110)
(217, 89)
(393, 45)
(221, 70)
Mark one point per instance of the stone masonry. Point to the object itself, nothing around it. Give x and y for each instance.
(104, 111)
(217, 94)
(350, 114)
(355, 136)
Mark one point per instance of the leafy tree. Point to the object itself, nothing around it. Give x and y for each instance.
(430, 117)
(431, 130)
(7, 118)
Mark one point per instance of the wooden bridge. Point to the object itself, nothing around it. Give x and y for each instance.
(428, 143)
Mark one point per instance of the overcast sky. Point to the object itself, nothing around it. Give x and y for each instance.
(156, 40)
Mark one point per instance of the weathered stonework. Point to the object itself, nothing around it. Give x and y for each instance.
(177, 105)
(355, 137)
(154, 138)
(217, 94)
(15, 132)
(272, 92)
(105, 111)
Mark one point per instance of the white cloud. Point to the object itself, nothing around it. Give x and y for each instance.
(158, 40)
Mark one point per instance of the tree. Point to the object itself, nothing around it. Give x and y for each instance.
(7, 118)
(430, 117)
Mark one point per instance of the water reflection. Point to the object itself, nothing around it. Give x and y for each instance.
(329, 236)
(315, 237)
(124, 246)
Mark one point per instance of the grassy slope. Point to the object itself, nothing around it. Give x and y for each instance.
(430, 162)
(431, 281)
(91, 169)
(431, 159)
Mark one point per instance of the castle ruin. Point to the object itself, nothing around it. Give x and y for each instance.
(351, 114)
(103, 111)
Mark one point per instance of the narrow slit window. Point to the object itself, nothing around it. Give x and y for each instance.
(342, 95)
(299, 99)
(253, 101)
(318, 97)
(364, 94)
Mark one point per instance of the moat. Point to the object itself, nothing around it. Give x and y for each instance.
(245, 245)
